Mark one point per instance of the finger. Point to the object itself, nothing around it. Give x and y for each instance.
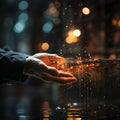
(45, 68)
(64, 74)
(52, 71)
(62, 80)
(55, 57)
(60, 59)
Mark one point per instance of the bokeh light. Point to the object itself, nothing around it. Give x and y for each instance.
(72, 36)
(86, 11)
(116, 21)
(45, 46)
(113, 56)
(47, 27)
(23, 5)
(23, 17)
(77, 32)
(19, 27)
(71, 40)
(52, 10)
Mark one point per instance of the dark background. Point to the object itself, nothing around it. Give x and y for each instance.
(100, 30)
(26, 24)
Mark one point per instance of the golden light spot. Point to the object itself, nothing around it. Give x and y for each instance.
(72, 118)
(72, 36)
(77, 32)
(86, 11)
(45, 46)
(75, 39)
(70, 33)
(71, 39)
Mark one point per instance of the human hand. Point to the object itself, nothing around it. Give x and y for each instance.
(43, 66)
(52, 60)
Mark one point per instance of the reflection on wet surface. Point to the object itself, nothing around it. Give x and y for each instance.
(22, 102)
(94, 97)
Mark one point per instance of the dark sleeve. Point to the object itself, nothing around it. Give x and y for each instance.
(11, 65)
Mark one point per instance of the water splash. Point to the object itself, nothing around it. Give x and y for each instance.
(97, 86)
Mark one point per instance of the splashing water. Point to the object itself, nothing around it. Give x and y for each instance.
(97, 86)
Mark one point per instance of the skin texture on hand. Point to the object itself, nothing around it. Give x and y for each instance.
(52, 60)
(44, 67)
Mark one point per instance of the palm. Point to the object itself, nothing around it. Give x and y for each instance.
(50, 59)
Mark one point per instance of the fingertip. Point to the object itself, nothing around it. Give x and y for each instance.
(65, 74)
(68, 80)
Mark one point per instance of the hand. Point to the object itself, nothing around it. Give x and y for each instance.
(52, 60)
(43, 66)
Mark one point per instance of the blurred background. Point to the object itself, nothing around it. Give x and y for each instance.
(66, 27)
(82, 29)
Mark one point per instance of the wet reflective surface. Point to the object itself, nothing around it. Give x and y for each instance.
(22, 102)
(94, 97)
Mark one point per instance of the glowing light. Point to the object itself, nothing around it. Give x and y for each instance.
(23, 5)
(71, 40)
(58, 108)
(113, 56)
(114, 22)
(68, 40)
(22, 117)
(19, 27)
(70, 33)
(45, 46)
(86, 11)
(77, 32)
(47, 27)
(73, 118)
(73, 36)
(23, 17)
(119, 23)
(75, 104)
(52, 9)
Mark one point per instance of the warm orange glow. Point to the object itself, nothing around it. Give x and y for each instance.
(45, 118)
(96, 57)
(114, 22)
(118, 23)
(77, 32)
(70, 33)
(112, 56)
(71, 39)
(72, 36)
(52, 9)
(70, 118)
(45, 46)
(86, 11)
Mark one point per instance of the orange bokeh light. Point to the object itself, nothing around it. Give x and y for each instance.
(86, 11)
(45, 46)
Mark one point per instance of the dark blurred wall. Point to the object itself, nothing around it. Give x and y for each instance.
(26, 24)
